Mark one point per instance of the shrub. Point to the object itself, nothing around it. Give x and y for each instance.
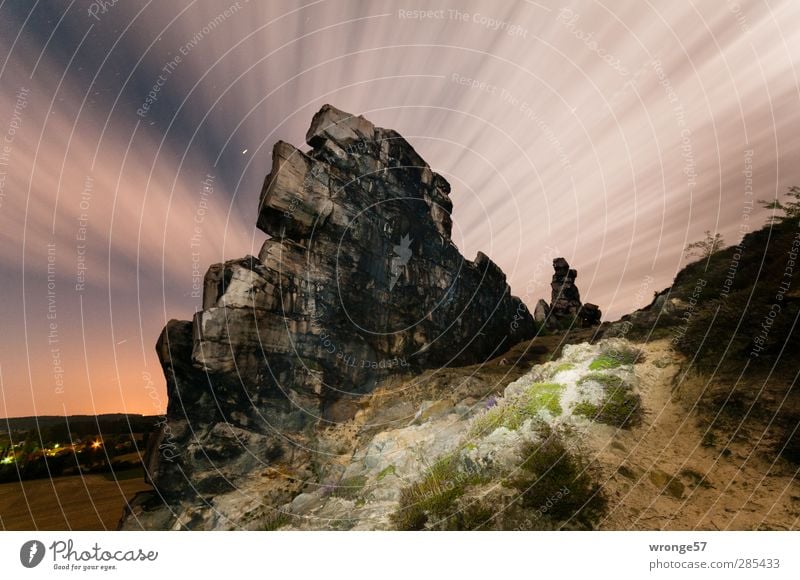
(434, 496)
(556, 483)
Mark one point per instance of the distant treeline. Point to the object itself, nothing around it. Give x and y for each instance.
(58, 428)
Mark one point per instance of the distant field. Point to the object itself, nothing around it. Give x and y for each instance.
(91, 502)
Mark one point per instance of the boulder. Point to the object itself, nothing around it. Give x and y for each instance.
(589, 315)
(541, 312)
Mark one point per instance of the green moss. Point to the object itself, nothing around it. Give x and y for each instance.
(386, 471)
(620, 406)
(562, 367)
(350, 488)
(614, 358)
(607, 381)
(543, 396)
(604, 362)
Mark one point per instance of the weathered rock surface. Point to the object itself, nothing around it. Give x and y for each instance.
(541, 312)
(565, 307)
(358, 279)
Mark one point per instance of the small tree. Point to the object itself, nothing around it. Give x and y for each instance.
(790, 209)
(705, 247)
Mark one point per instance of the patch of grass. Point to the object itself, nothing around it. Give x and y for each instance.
(350, 488)
(556, 484)
(434, 496)
(386, 472)
(276, 520)
(620, 407)
(494, 418)
(512, 413)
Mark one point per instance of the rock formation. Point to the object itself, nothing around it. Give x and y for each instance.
(565, 307)
(541, 311)
(359, 278)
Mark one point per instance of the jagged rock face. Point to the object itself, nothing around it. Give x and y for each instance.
(566, 306)
(358, 279)
(359, 276)
(566, 299)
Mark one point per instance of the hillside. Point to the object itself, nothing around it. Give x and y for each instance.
(734, 317)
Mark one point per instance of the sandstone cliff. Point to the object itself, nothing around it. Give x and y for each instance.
(359, 279)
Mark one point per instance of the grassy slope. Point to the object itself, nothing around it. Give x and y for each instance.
(737, 322)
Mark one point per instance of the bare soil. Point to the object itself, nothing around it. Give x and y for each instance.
(88, 502)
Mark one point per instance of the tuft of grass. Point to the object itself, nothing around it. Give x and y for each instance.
(512, 413)
(556, 484)
(620, 407)
(275, 521)
(494, 418)
(350, 488)
(434, 496)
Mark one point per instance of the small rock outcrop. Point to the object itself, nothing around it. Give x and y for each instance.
(541, 312)
(565, 307)
(358, 279)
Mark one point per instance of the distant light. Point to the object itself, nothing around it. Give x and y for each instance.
(96, 445)
(245, 151)
(57, 445)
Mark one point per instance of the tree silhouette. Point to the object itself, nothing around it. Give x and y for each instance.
(790, 209)
(705, 247)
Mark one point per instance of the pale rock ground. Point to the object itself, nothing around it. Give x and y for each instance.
(657, 475)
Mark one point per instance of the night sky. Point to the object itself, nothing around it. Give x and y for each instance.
(135, 136)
